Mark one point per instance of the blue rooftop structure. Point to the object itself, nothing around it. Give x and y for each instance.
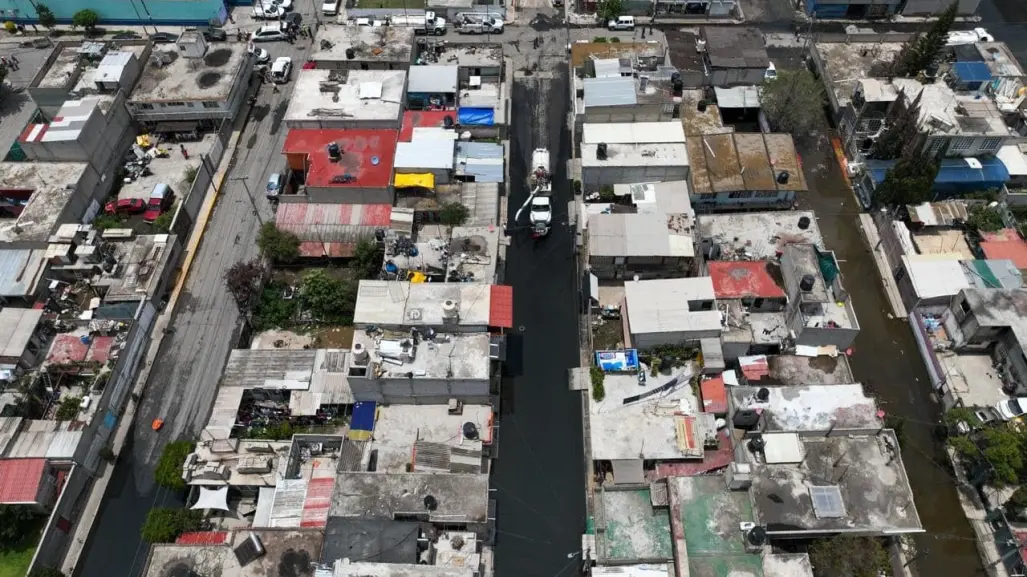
(971, 74)
(956, 175)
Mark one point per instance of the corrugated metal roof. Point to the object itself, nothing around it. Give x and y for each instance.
(323, 225)
(612, 91)
(19, 326)
(482, 198)
(738, 97)
(607, 67)
(482, 160)
(661, 306)
(938, 213)
(425, 154)
(8, 429)
(432, 79)
(112, 66)
(636, 234)
(20, 271)
(287, 509)
(19, 480)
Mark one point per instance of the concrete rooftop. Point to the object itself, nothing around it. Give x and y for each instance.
(756, 235)
(208, 79)
(446, 356)
(846, 63)
(288, 553)
(411, 434)
(343, 569)
(386, 44)
(473, 253)
(813, 408)
(459, 498)
(170, 171)
(354, 95)
(793, 370)
(396, 303)
(634, 531)
(52, 185)
(708, 517)
(472, 55)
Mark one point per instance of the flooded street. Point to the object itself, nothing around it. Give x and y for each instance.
(887, 362)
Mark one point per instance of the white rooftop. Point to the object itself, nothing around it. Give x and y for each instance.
(1013, 158)
(393, 354)
(399, 303)
(638, 234)
(430, 438)
(662, 305)
(210, 78)
(433, 79)
(347, 95)
(811, 408)
(19, 326)
(675, 154)
(425, 154)
(633, 133)
(344, 569)
(960, 113)
(756, 235)
(52, 185)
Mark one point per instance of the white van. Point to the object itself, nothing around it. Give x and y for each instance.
(621, 23)
(330, 8)
(281, 69)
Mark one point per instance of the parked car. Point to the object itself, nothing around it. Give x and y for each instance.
(274, 185)
(270, 33)
(621, 23)
(293, 20)
(281, 70)
(161, 199)
(163, 37)
(125, 206)
(215, 34)
(1012, 408)
(260, 56)
(771, 72)
(330, 8)
(267, 12)
(284, 4)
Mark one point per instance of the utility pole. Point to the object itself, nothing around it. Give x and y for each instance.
(249, 196)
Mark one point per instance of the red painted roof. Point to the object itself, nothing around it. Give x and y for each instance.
(367, 156)
(714, 396)
(317, 502)
(202, 538)
(19, 480)
(501, 306)
(1005, 244)
(754, 368)
(69, 348)
(422, 119)
(740, 279)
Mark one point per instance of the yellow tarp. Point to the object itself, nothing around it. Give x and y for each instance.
(426, 180)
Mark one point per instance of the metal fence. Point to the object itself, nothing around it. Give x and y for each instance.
(189, 208)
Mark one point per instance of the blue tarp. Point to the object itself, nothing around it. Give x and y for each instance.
(476, 116)
(625, 360)
(955, 174)
(363, 416)
(972, 72)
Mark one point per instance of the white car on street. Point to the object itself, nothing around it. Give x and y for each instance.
(281, 70)
(270, 33)
(260, 56)
(283, 4)
(1012, 408)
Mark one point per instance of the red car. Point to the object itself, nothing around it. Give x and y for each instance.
(125, 206)
(160, 200)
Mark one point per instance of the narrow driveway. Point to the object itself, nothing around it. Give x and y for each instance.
(183, 382)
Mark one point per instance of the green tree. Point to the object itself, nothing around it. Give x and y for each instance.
(281, 246)
(454, 214)
(273, 310)
(367, 258)
(104, 221)
(1002, 448)
(69, 408)
(847, 556)
(902, 132)
(169, 467)
(86, 18)
(162, 224)
(47, 572)
(985, 218)
(164, 525)
(923, 50)
(15, 522)
(608, 10)
(910, 181)
(1017, 503)
(598, 383)
(329, 299)
(46, 17)
(793, 101)
(243, 279)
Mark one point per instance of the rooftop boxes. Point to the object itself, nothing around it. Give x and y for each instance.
(363, 47)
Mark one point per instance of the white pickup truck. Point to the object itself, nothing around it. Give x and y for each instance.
(428, 23)
(472, 25)
(541, 213)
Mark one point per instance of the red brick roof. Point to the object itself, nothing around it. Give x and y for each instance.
(19, 480)
(501, 307)
(1005, 244)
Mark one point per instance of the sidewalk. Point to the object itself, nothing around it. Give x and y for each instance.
(99, 488)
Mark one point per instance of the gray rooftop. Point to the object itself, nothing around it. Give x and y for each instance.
(446, 356)
(433, 79)
(609, 91)
(787, 565)
(210, 78)
(811, 409)
(141, 264)
(638, 234)
(371, 540)
(1000, 308)
(399, 570)
(389, 44)
(472, 55)
(756, 235)
(398, 303)
(474, 251)
(20, 271)
(19, 326)
(632, 155)
(458, 498)
(52, 185)
(288, 553)
(844, 64)
(735, 47)
(859, 483)
(347, 94)
(793, 370)
(430, 438)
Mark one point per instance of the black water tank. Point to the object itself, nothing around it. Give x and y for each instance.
(807, 282)
(782, 177)
(757, 443)
(601, 151)
(471, 431)
(351, 54)
(804, 222)
(757, 536)
(746, 419)
(701, 107)
(430, 502)
(763, 395)
(447, 121)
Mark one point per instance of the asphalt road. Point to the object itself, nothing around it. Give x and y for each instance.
(538, 478)
(182, 386)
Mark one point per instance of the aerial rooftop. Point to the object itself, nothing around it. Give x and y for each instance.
(843, 64)
(343, 569)
(140, 270)
(259, 553)
(823, 485)
(178, 78)
(811, 408)
(378, 44)
(796, 371)
(709, 518)
(734, 162)
(670, 198)
(21, 271)
(756, 235)
(51, 185)
(398, 303)
(366, 160)
(458, 498)
(735, 47)
(639, 235)
(430, 438)
(471, 55)
(947, 111)
(632, 133)
(347, 96)
(736, 279)
(671, 305)
(393, 354)
(473, 253)
(636, 155)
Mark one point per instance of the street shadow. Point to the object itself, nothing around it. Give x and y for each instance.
(13, 101)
